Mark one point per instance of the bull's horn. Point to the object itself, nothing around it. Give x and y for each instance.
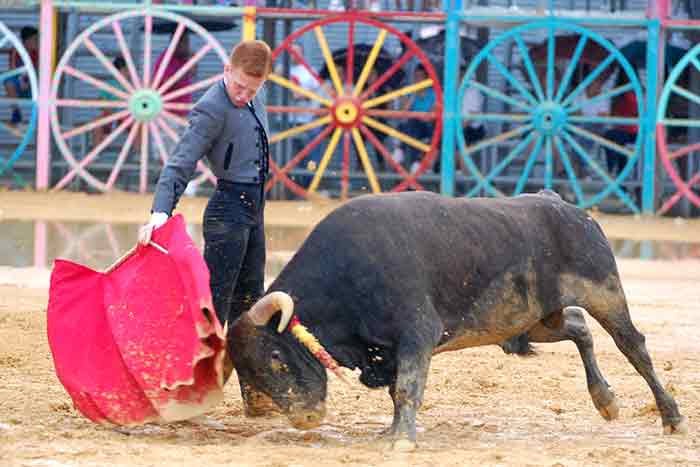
(270, 304)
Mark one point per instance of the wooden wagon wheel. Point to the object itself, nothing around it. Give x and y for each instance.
(349, 110)
(546, 114)
(143, 104)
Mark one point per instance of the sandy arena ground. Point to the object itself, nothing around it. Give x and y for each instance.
(481, 406)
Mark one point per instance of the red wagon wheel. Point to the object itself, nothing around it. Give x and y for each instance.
(347, 106)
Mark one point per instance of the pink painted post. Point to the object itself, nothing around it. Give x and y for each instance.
(658, 9)
(43, 145)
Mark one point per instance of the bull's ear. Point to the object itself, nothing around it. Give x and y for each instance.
(270, 304)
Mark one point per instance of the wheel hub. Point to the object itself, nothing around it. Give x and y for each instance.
(346, 112)
(549, 118)
(145, 105)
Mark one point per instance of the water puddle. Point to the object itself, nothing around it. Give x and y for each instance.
(26, 244)
(97, 245)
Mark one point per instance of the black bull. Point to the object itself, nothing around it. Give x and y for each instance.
(387, 281)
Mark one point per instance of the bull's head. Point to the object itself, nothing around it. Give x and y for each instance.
(287, 366)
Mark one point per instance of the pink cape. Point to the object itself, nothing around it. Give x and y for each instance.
(141, 342)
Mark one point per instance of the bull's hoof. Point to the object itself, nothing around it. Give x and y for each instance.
(678, 428)
(403, 445)
(610, 411)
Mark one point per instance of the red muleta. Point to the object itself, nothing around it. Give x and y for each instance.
(139, 342)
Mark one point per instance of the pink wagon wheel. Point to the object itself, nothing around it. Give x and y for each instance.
(136, 109)
(675, 127)
(348, 106)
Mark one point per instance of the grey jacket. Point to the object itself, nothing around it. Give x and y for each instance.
(228, 136)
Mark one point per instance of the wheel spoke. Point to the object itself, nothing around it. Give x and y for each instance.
(169, 132)
(498, 95)
(160, 146)
(496, 117)
(3, 40)
(147, 43)
(695, 63)
(600, 171)
(301, 155)
(403, 137)
(327, 155)
(571, 68)
(604, 96)
(193, 87)
(426, 83)
(122, 155)
(369, 64)
(402, 114)
(511, 79)
(302, 61)
(515, 132)
(94, 124)
(604, 120)
(92, 154)
(548, 163)
(107, 64)
(91, 103)
(163, 65)
(566, 160)
(277, 137)
(116, 27)
(364, 158)
(96, 82)
(681, 122)
(600, 140)
(175, 118)
(185, 68)
(550, 67)
(387, 75)
(514, 153)
(12, 73)
(143, 173)
(271, 109)
(525, 54)
(321, 38)
(349, 67)
(381, 149)
(684, 151)
(178, 106)
(685, 93)
(532, 158)
(588, 80)
(345, 173)
(299, 90)
(678, 195)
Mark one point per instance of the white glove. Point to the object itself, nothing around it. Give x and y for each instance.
(145, 232)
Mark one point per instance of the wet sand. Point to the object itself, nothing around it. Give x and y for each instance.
(481, 407)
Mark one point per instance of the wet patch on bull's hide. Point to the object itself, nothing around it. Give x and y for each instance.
(508, 307)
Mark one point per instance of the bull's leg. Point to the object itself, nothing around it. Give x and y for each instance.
(570, 324)
(616, 321)
(407, 393)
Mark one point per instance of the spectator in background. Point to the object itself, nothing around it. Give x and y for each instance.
(473, 130)
(421, 101)
(18, 86)
(101, 132)
(180, 57)
(623, 105)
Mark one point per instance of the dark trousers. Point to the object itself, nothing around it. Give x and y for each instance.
(616, 161)
(234, 247)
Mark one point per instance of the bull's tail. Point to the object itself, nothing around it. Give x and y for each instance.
(519, 345)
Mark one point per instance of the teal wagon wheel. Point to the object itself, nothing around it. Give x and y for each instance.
(139, 109)
(677, 130)
(543, 123)
(18, 112)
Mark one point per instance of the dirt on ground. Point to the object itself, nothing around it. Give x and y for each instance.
(481, 407)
